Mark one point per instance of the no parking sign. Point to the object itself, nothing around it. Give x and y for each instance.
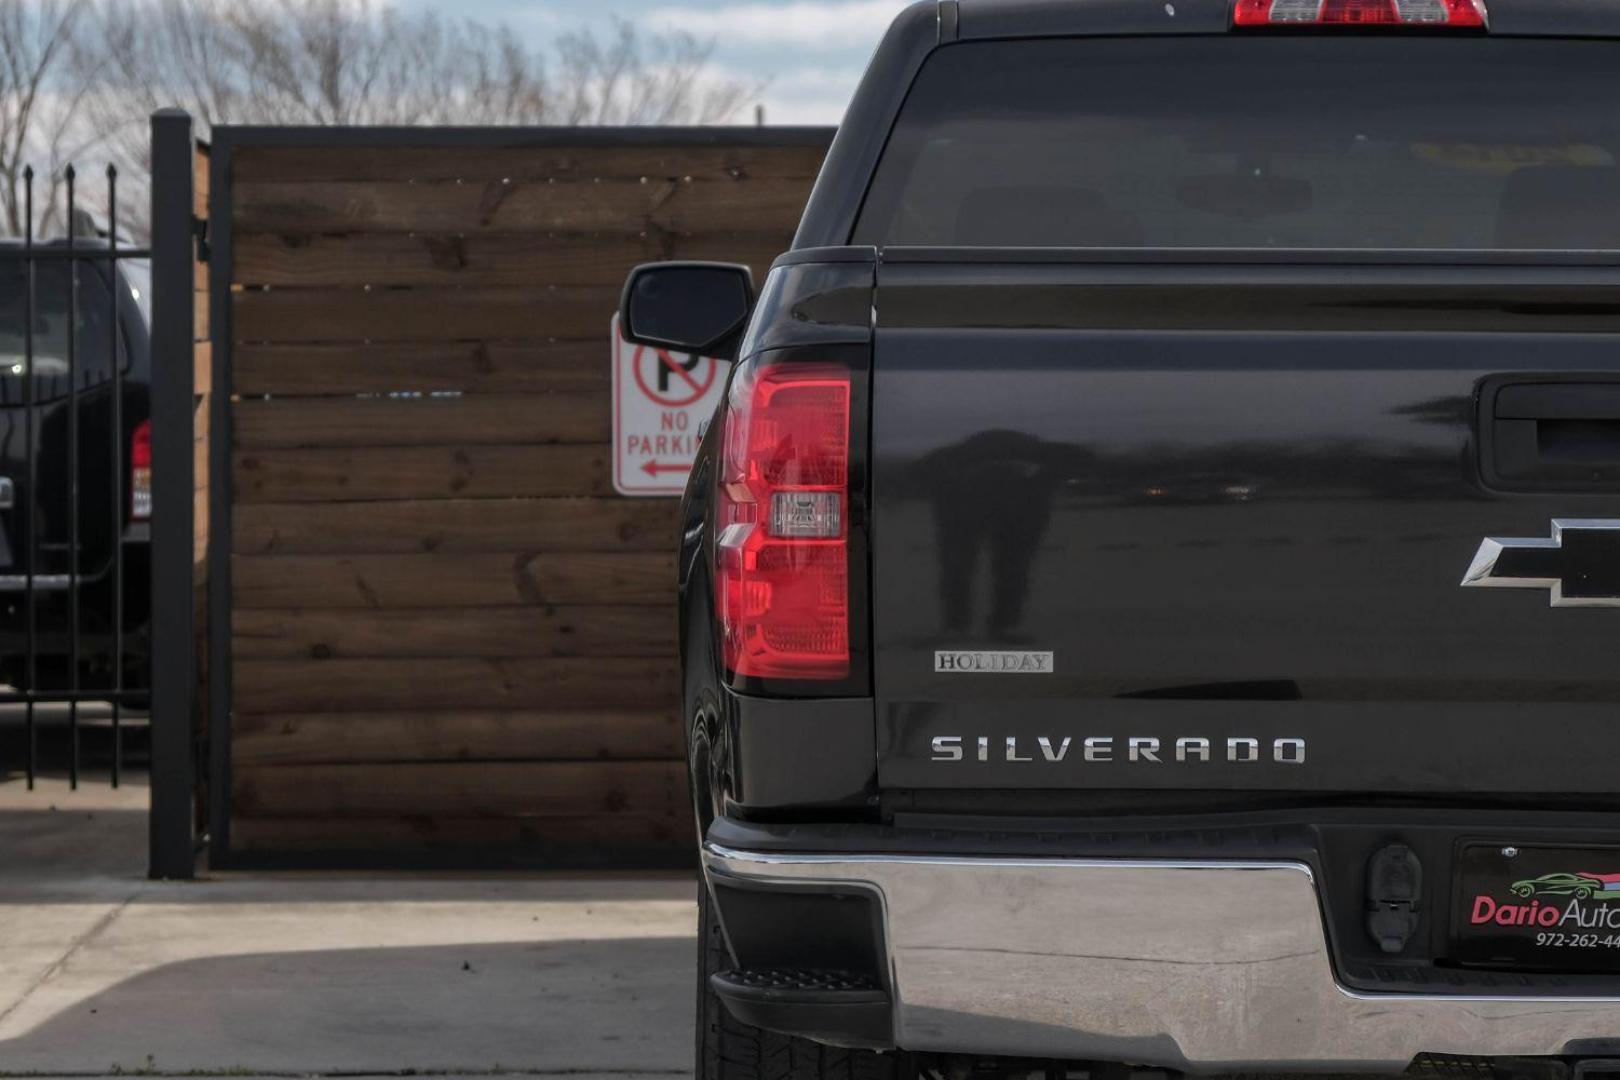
(662, 403)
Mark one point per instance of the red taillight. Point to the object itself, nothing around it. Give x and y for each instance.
(1414, 13)
(782, 543)
(140, 471)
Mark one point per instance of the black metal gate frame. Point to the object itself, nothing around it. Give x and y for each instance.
(173, 254)
(224, 142)
(176, 248)
(77, 255)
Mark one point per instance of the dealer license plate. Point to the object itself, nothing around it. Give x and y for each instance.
(1548, 908)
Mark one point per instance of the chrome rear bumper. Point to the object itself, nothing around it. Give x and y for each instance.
(1202, 966)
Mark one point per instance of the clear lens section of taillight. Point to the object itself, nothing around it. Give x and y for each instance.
(1294, 11)
(782, 562)
(140, 472)
(1462, 14)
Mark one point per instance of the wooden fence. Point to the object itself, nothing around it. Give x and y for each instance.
(445, 630)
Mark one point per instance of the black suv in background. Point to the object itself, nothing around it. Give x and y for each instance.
(74, 345)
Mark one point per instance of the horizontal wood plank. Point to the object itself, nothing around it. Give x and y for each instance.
(257, 164)
(279, 686)
(504, 632)
(425, 314)
(598, 839)
(526, 577)
(422, 472)
(455, 526)
(529, 260)
(382, 738)
(288, 423)
(475, 367)
(471, 790)
(619, 207)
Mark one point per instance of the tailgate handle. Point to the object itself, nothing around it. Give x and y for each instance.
(1556, 436)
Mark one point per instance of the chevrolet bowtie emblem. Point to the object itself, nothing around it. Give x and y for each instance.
(1580, 564)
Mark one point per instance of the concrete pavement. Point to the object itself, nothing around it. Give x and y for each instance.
(103, 972)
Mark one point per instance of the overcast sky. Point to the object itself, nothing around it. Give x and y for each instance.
(807, 53)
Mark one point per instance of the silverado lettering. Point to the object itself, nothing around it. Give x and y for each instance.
(1101, 748)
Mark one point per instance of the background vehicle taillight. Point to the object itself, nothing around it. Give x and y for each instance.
(1351, 13)
(782, 585)
(140, 472)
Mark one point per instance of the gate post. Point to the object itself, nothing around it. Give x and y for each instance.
(172, 852)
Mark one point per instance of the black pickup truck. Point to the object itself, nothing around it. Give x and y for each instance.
(1151, 598)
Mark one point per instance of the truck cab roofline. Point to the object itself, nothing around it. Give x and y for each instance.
(984, 19)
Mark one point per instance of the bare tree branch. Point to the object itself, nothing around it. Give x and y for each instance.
(80, 77)
(39, 105)
(635, 80)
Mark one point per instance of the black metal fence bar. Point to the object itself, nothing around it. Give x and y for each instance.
(174, 683)
(32, 498)
(75, 525)
(116, 510)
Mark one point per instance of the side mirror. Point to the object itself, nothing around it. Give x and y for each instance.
(690, 307)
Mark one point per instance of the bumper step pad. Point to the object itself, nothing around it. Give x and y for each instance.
(837, 1007)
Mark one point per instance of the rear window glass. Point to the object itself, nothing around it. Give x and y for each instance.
(1450, 143)
(53, 313)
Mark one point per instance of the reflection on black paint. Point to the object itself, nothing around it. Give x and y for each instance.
(992, 501)
(992, 497)
(1251, 690)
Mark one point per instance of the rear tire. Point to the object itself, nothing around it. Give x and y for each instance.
(730, 1050)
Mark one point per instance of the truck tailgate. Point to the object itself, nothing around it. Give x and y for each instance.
(1235, 504)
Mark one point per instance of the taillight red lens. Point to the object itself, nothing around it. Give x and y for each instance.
(140, 471)
(140, 446)
(1462, 14)
(782, 560)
